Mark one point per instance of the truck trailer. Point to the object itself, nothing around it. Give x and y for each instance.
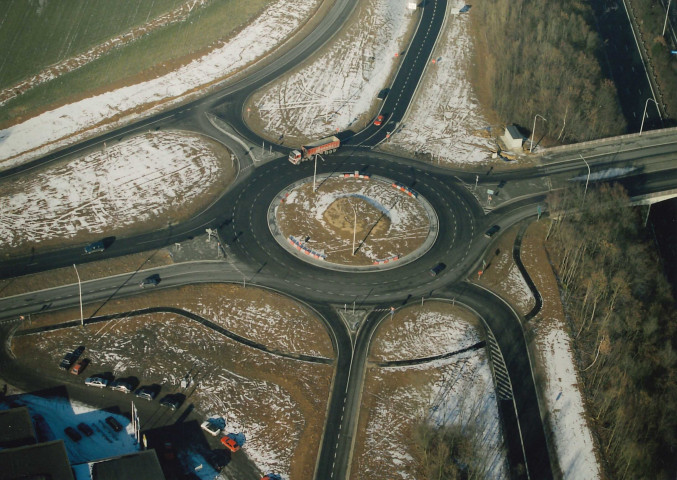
(326, 145)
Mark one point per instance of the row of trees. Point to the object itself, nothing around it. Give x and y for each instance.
(542, 57)
(624, 325)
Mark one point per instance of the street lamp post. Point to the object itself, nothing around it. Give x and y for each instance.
(82, 318)
(646, 104)
(354, 226)
(533, 131)
(587, 179)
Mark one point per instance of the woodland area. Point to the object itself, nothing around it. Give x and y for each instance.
(624, 324)
(542, 57)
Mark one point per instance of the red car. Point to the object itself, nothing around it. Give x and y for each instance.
(230, 443)
(80, 366)
(379, 120)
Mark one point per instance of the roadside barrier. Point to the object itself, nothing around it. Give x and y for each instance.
(356, 175)
(406, 190)
(387, 260)
(302, 248)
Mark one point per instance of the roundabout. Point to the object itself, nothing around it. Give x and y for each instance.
(442, 212)
(352, 222)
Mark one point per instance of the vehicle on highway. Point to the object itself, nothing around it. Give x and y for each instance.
(95, 247)
(86, 429)
(114, 424)
(383, 94)
(151, 281)
(211, 428)
(230, 443)
(80, 366)
(492, 230)
(146, 393)
(96, 381)
(172, 401)
(121, 386)
(271, 476)
(325, 145)
(437, 269)
(73, 434)
(379, 120)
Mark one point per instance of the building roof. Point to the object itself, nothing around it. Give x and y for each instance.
(512, 132)
(43, 460)
(16, 428)
(143, 465)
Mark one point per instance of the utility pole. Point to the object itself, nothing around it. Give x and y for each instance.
(533, 131)
(314, 173)
(354, 225)
(82, 318)
(646, 104)
(587, 179)
(665, 23)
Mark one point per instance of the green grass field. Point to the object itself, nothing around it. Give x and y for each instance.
(37, 37)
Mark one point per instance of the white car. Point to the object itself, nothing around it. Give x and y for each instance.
(121, 386)
(210, 428)
(96, 382)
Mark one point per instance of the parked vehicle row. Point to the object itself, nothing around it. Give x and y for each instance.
(87, 431)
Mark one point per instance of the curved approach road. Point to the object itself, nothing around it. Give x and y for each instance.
(240, 216)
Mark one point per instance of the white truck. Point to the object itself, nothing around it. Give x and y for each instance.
(325, 145)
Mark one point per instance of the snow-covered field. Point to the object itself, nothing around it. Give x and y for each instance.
(139, 180)
(456, 391)
(59, 127)
(280, 415)
(434, 329)
(444, 120)
(573, 440)
(60, 412)
(336, 89)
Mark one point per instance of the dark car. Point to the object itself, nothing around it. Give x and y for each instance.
(437, 269)
(114, 424)
(146, 393)
(151, 281)
(66, 361)
(86, 429)
(95, 247)
(492, 230)
(73, 434)
(383, 94)
(171, 401)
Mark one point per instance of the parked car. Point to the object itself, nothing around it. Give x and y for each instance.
(211, 428)
(114, 424)
(73, 434)
(230, 443)
(66, 361)
(96, 382)
(151, 281)
(171, 401)
(146, 393)
(80, 366)
(95, 247)
(437, 269)
(121, 386)
(86, 429)
(492, 230)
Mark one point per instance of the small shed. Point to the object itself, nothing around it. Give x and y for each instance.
(512, 138)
